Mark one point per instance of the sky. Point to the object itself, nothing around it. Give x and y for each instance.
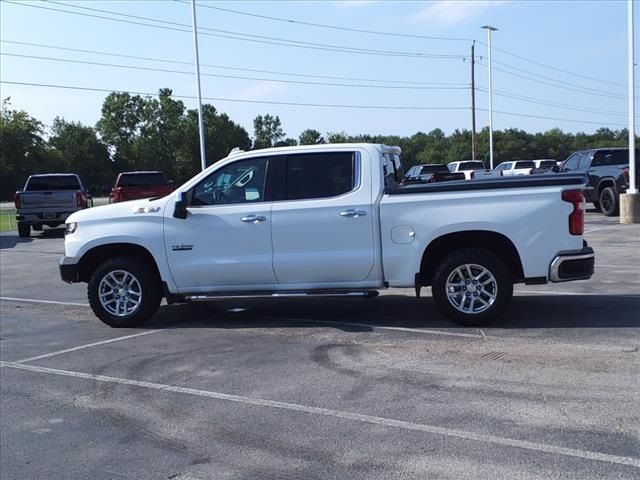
(555, 63)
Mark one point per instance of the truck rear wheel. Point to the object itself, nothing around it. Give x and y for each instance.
(124, 292)
(609, 202)
(24, 230)
(472, 287)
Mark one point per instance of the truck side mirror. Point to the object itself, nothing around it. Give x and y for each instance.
(180, 208)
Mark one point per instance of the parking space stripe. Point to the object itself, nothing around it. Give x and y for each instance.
(88, 345)
(388, 422)
(50, 302)
(380, 327)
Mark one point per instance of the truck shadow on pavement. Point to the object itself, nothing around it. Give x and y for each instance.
(12, 239)
(359, 315)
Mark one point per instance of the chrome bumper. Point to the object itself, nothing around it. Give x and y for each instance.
(573, 265)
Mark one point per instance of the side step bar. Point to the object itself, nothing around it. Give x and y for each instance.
(307, 294)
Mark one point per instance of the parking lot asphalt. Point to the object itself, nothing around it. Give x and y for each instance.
(322, 388)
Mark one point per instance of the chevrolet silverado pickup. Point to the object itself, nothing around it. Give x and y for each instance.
(328, 220)
(48, 199)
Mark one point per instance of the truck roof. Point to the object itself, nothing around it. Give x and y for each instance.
(53, 175)
(324, 146)
(140, 171)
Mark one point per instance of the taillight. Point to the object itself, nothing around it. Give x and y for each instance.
(16, 199)
(625, 174)
(576, 219)
(80, 200)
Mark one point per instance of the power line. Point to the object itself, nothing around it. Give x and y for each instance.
(540, 101)
(239, 100)
(225, 67)
(299, 82)
(262, 39)
(557, 85)
(297, 104)
(332, 27)
(404, 35)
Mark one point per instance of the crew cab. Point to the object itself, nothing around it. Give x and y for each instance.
(328, 220)
(137, 185)
(511, 169)
(48, 199)
(608, 171)
(469, 167)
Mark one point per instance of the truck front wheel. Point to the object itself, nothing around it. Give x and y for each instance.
(124, 292)
(472, 287)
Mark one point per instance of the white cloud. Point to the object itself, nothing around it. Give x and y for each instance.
(260, 91)
(450, 12)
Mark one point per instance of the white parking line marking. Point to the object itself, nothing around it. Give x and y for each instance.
(88, 345)
(555, 292)
(378, 327)
(388, 422)
(50, 302)
(601, 228)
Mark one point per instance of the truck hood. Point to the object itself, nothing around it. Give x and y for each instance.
(120, 210)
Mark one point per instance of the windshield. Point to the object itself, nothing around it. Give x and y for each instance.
(142, 180)
(53, 182)
(525, 164)
(471, 166)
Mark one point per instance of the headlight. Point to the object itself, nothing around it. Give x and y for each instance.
(71, 227)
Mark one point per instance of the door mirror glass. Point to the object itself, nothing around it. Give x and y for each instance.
(180, 208)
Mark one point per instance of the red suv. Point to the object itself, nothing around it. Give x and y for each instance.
(136, 185)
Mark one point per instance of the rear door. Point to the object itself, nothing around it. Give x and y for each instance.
(322, 228)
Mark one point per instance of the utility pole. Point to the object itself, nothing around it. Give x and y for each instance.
(473, 102)
(203, 158)
(490, 29)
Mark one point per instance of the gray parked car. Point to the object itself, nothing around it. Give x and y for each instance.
(48, 199)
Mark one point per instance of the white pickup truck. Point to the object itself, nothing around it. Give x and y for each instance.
(470, 168)
(328, 220)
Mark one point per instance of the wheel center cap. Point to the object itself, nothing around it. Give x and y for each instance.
(122, 292)
(472, 288)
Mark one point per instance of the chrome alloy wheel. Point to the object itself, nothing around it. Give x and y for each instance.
(120, 293)
(471, 288)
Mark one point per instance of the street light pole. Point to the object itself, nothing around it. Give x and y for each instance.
(490, 29)
(203, 158)
(632, 121)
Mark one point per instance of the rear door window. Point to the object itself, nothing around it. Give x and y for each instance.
(53, 182)
(142, 180)
(320, 175)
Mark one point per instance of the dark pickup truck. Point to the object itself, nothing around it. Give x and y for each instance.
(608, 171)
(137, 185)
(429, 174)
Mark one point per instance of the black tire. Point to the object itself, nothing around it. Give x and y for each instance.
(609, 203)
(501, 288)
(24, 230)
(149, 289)
(596, 205)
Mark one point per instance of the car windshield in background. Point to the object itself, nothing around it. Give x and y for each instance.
(53, 182)
(471, 166)
(434, 169)
(613, 157)
(548, 164)
(525, 164)
(142, 180)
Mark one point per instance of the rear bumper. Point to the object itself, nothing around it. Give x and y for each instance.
(47, 217)
(573, 265)
(68, 269)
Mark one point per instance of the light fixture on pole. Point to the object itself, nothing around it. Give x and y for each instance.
(490, 29)
(203, 158)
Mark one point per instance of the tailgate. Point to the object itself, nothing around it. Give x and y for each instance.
(44, 199)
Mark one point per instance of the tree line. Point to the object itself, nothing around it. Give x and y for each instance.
(144, 133)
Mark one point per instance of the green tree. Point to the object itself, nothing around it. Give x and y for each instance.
(22, 149)
(311, 137)
(267, 131)
(82, 152)
(337, 137)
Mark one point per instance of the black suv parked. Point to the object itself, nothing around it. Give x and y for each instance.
(608, 171)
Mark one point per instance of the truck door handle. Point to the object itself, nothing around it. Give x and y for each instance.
(353, 213)
(253, 218)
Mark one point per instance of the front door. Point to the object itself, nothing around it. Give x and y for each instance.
(225, 240)
(322, 231)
